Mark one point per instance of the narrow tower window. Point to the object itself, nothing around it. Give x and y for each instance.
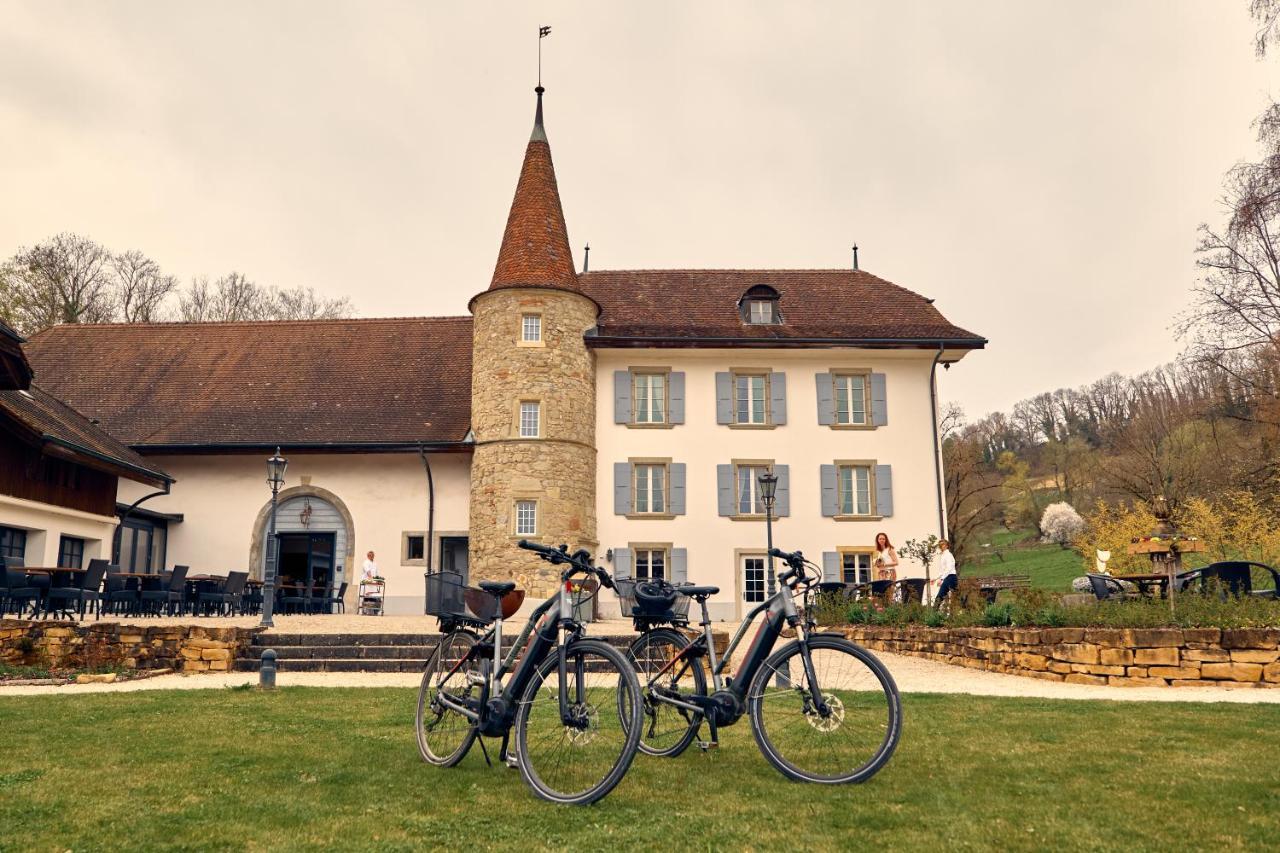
(531, 328)
(530, 419)
(526, 518)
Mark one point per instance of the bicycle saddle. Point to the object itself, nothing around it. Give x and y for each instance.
(699, 591)
(655, 595)
(498, 588)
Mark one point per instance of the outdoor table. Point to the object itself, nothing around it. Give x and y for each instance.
(58, 575)
(1145, 582)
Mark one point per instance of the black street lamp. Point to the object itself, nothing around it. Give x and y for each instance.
(276, 466)
(768, 493)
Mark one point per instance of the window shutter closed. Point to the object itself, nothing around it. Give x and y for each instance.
(879, 402)
(622, 396)
(675, 476)
(724, 488)
(782, 494)
(679, 565)
(826, 400)
(621, 488)
(884, 490)
(675, 406)
(830, 567)
(778, 398)
(724, 398)
(621, 563)
(830, 498)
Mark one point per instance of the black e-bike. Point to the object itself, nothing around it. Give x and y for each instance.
(822, 709)
(574, 703)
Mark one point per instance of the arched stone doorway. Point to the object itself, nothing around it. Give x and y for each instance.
(303, 513)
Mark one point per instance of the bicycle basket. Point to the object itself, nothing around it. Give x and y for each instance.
(444, 595)
(483, 606)
(631, 607)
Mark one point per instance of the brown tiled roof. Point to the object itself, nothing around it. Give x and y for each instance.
(535, 246)
(301, 384)
(688, 306)
(15, 372)
(48, 420)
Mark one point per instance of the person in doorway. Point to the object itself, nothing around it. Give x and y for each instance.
(886, 559)
(370, 567)
(946, 579)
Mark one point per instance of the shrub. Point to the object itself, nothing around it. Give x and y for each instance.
(1061, 524)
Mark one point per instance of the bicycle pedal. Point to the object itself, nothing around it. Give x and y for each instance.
(512, 761)
(706, 745)
(474, 677)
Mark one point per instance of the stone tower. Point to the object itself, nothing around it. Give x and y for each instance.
(554, 471)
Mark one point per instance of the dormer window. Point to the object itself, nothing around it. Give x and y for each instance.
(759, 306)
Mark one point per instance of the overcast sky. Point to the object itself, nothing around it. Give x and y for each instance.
(1037, 167)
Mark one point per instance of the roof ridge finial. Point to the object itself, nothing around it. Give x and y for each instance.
(539, 133)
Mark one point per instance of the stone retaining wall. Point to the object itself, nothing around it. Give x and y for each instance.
(1128, 657)
(75, 645)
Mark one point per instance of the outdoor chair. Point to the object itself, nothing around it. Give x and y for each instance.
(909, 591)
(226, 599)
(336, 601)
(1105, 587)
(17, 593)
(1236, 578)
(295, 600)
(87, 592)
(880, 589)
(172, 595)
(120, 595)
(251, 602)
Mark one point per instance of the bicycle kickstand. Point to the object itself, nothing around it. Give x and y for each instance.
(508, 758)
(714, 742)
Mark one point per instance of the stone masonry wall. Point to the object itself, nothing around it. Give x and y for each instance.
(1126, 657)
(74, 645)
(559, 469)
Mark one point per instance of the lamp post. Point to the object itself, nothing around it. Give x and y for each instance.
(276, 466)
(768, 492)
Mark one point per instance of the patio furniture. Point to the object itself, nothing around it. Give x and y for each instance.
(172, 595)
(18, 593)
(80, 593)
(1236, 578)
(226, 598)
(251, 603)
(990, 587)
(880, 589)
(121, 593)
(336, 600)
(908, 591)
(295, 598)
(1105, 587)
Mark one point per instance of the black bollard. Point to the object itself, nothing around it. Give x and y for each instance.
(267, 671)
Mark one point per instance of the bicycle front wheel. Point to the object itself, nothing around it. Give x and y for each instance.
(444, 735)
(668, 730)
(576, 753)
(849, 736)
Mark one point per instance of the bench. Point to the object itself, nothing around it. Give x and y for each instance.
(991, 586)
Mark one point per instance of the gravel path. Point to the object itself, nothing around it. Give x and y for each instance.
(914, 675)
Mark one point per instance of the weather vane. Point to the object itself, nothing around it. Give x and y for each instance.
(543, 32)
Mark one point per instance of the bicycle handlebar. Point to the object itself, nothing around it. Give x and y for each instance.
(579, 560)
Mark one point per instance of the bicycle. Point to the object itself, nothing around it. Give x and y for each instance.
(570, 748)
(822, 709)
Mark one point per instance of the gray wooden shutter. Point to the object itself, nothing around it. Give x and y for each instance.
(622, 563)
(621, 488)
(830, 567)
(826, 400)
(622, 396)
(830, 497)
(675, 405)
(679, 565)
(724, 489)
(675, 476)
(884, 490)
(778, 398)
(782, 494)
(724, 398)
(879, 402)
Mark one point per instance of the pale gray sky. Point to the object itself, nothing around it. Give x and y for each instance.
(1037, 167)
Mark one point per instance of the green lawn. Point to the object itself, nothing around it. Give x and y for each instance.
(308, 768)
(1017, 552)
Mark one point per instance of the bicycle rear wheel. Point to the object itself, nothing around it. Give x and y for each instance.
(444, 735)
(667, 730)
(577, 756)
(847, 741)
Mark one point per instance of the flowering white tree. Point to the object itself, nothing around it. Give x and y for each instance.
(1061, 523)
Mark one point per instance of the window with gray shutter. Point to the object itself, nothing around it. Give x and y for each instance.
(879, 401)
(826, 400)
(675, 403)
(778, 398)
(724, 489)
(621, 488)
(679, 565)
(724, 398)
(782, 494)
(884, 490)
(830, 567)
(622, 396)
(676, 483)
(621, 563)
(830, 494)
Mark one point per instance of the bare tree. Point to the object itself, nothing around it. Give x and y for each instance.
(973, 490)
(66, 279)
(234, 297)
(303, 304)
(1267, 15)
(140, 287)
